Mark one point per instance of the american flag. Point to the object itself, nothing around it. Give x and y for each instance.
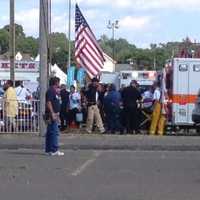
(88, 53)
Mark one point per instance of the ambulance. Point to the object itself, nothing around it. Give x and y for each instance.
(181, 82)
(110, 78)
(144, 78)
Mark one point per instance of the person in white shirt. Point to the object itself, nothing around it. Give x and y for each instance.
(157, 117)
(23, 95)
(74, 104)
(157, 93)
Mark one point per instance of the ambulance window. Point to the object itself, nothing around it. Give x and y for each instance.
(143, 75)
(196, 68)
(126, 75)
(183, 68)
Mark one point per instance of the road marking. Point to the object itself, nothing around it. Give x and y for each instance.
(86, 164)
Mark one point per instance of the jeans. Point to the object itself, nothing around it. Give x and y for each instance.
(113, 119)
(52, 137)
(64, 119)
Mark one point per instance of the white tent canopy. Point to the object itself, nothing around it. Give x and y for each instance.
(56, 71)
(37, 58)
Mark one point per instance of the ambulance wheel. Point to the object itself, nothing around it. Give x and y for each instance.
(173, 130)
(187, 130)
(198, 130)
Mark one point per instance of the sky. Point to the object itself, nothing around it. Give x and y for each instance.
(141, 22)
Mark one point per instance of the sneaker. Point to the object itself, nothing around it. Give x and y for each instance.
(57, 153)
(88, 131)
(48, 153)
(102, 131)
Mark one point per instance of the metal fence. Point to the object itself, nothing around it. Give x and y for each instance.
(26, 119)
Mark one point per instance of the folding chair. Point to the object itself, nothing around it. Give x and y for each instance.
(146, 110)
(145, 119)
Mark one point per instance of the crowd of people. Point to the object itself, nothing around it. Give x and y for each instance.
(95, 106)
(104, 107)
(98, 106)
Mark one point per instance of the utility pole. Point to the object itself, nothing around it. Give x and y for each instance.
(49, 45)
(12, 40)
(113, 38)
(69, 36)
(154, 62)
(43, 51)
(113, 26)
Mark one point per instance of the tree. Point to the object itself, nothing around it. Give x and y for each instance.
(59, 49)
(60, 58)
(27, 45)
(19, 31)
(23, 44)
(124, 51)
(58, 42)
(106, 45)
(4, 41)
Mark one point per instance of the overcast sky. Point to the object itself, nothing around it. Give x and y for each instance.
(142, 22)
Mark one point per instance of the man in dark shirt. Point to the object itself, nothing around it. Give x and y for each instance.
(130, 96)
(92, 96)
(64, 94)
(53, 110)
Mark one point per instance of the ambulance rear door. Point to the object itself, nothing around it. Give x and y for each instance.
(180, 91)
(194, 86)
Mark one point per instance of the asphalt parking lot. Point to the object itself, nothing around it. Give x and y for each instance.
(100, 175)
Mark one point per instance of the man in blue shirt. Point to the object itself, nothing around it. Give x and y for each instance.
(112, 102)
(53, 110)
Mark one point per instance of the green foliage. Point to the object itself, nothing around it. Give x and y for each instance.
(19, 31)
(24, 44)
(58, 41)
(124, 52)
(4, 41)
(60, 58)
(27, 45)
(59, 49)
(151, 58)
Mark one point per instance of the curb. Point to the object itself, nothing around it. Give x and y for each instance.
(107, 147)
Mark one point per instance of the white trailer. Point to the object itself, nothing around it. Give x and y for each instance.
(144, 78)
(110, 78)
(181, 84)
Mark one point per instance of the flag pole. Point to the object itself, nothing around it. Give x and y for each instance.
(69, 36)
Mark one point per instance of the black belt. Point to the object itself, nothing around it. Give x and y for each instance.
(92, 104)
